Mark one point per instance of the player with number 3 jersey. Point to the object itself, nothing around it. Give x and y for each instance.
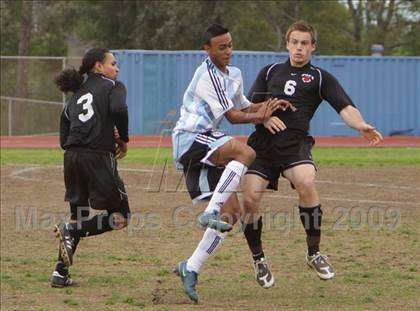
(93, 133)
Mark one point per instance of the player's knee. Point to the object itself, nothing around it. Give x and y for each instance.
(251, 203)
(248, 155)
(119, 221)
(305, 185)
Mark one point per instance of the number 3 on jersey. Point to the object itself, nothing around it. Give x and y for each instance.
(289, 87)
(86, 100)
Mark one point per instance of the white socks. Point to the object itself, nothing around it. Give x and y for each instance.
(209, 243)
(228, 183)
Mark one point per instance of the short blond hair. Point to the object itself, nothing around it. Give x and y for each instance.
(304, 27)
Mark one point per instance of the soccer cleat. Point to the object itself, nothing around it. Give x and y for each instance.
(189, 280)
(66, 243)
(60, 281)
(263, 274)
(213, 221)
(321, 266)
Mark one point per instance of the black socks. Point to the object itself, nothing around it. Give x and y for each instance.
(311, 220)
(61, 268)
(252, 234)
(96, 225)
(78, 212)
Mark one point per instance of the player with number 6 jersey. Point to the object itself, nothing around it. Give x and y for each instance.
(93, 133)
(305, 87)
(283, 145)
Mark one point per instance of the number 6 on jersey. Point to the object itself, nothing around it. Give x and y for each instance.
(86, 100)
(289, 87)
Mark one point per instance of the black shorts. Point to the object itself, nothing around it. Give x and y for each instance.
(91, 178)
(201, 177)
(279, 152)
(201, 181)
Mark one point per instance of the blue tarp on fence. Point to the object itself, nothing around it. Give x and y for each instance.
(385, 89)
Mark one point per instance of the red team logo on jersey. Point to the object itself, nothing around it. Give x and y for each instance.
(306, 78)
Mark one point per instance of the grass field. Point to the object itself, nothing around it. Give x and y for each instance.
(149, 156)
(370, 233)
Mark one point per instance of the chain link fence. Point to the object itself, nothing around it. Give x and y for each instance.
(30, 102)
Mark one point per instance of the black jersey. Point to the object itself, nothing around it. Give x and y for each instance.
(90, 115)
(304, 87)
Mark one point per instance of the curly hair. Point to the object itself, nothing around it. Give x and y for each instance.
(71, 79)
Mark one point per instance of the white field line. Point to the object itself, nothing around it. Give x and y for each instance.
(346, 200)
(366, 185)
(320, 181)
(18, 172)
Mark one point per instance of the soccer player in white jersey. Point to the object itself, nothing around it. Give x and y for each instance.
(213, 163)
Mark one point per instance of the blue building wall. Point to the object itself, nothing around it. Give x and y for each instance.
(385, 89)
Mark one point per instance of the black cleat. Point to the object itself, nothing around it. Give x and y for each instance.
(263, 274)
(321, 265)
(60, 281)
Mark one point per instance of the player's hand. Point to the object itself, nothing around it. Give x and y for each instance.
(266, 110)
(275, 104)
(121, 149)
(116, 133)
(284, 105)
(371, 134)
(274, 125)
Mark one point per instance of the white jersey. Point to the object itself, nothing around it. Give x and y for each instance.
(209, 96)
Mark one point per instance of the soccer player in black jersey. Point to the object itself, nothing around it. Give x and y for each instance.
(283, 146)
(93, 133)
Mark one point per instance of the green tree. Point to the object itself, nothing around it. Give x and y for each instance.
(392, 23)
(344, 26)
(10, 26)
(176, 25)
(51, 24)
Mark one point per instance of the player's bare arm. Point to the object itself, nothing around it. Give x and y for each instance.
(274, 124)
(236, 116)
(283, 105)
(259, 113)
(353, 118)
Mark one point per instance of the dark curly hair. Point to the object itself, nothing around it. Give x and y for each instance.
(71, 79)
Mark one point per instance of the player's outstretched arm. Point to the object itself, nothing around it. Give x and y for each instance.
(353, 118)
(281, 103)
(259, 113)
